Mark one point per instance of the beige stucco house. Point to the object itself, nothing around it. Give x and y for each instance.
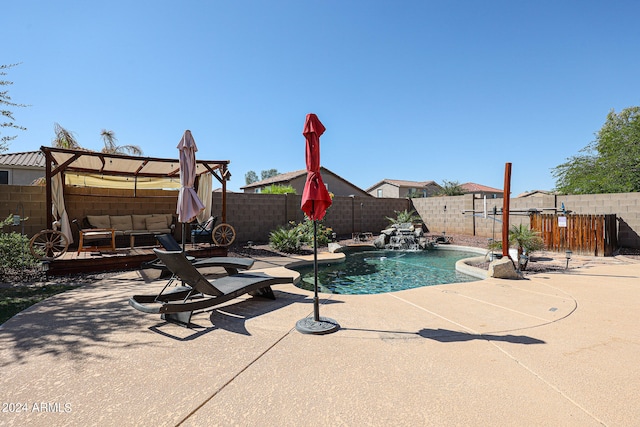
(479, 190)
(396, 188)
(296, 179)
(21, 168)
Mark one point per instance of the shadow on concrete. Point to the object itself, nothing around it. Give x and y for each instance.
(446, 335)
(77, 324)
(232, 317)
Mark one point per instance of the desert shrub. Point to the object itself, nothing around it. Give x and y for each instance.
(285, 239)
(278, 189)
(305, 229)
(15, 256)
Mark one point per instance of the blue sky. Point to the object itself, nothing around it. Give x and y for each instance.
(413, 90)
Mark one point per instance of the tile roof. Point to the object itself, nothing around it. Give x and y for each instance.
(26, 159)
(402, 183)
(472, 187)
(283, 177)
(535, 192)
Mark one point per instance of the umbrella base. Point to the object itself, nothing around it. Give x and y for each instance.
(309, 325)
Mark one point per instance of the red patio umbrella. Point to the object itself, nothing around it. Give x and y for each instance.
(315, 202)
(315, 197)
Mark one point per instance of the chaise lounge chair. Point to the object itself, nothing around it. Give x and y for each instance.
(230, 264)
(197, 293)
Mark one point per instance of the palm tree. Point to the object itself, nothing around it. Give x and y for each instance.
(526, 239)
(111, 147)
(450, 188)
(64, 138)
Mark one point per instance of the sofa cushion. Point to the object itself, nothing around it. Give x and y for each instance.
(156, 223)
(99, 221)
(121, 222)
(140, 221)
(168, 218)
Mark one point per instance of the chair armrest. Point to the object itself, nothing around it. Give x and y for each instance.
(110, 230)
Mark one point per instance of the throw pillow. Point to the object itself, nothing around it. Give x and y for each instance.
(99, 221)
(156, 223)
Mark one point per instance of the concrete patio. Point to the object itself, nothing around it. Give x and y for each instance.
(555, 349)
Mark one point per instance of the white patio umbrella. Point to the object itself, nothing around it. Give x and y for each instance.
(189, 205)
(58, 209)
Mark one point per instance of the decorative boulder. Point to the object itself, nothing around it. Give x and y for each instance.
(379, 242)
(388, 231)
(503, 269)
(423, 243)
(334, 247)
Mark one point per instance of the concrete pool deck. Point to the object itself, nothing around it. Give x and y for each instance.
(556, 349)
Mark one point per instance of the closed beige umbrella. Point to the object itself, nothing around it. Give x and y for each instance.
(189, 205)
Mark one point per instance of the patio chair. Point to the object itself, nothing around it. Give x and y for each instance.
(106, 236)
(201, 232)
(197, 293)
(230, 264)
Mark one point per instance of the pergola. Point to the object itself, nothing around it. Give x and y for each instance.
(147, 172)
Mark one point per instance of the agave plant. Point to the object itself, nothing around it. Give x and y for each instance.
(403, 217)
(286, 240)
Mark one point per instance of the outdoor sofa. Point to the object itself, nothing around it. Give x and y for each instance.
(133, 229)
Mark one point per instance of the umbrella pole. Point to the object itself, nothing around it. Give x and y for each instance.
(316, 325)
(184, 237)
(316, 303)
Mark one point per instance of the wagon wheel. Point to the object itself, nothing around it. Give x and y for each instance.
(48, 244)
(223, 235)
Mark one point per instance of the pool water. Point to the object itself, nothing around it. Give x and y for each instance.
(374, 272)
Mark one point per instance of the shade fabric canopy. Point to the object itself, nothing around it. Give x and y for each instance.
(189, 205)
(315, 197)
(102, 165)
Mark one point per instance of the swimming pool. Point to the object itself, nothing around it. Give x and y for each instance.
(374, 272)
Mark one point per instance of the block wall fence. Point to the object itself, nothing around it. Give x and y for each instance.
(255, 215)
(465, 214)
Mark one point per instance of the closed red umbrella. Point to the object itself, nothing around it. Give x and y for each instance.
(315, 202)
(315, 197)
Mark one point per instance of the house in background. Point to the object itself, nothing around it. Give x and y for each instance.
(536, 193)
(334, 183)
(479, 191)
(396, 188)
(21, 168)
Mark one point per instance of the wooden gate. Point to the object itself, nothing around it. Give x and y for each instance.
(582, 234)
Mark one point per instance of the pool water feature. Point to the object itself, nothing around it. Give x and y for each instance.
(374, 272)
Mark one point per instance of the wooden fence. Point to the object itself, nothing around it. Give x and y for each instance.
(582, 234)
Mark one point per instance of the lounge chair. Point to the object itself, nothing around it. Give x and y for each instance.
(230, 264)
(197, 293)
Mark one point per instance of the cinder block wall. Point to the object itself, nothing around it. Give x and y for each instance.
(28, 202)
(446, 214)
(255, 215)
(625, 205)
